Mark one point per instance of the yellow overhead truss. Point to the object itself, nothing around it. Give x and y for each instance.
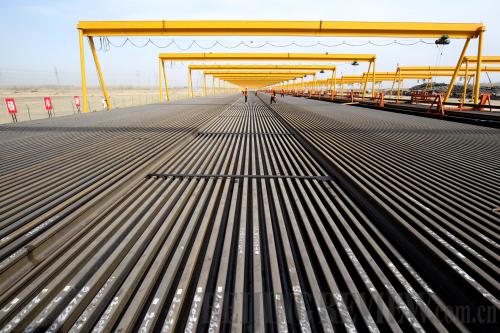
(316, 57)
(253, 67)
(92, 29)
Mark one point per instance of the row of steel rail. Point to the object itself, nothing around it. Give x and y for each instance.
(233, 216)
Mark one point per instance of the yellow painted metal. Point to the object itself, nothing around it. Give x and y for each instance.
(166, 82)
(255, 76)
(399, 87)
(280, 28)
(204, 85)
(457, 69)
(262, 67)
(99, 73)
(160, 73)
(373, 79)
(451, 69)
(265, 57)
(464, 94)
(213, 86)
(484, 59)
(477, 84)
(190, 85)
(84, 77)
(276, 28)
(252, 79)
(366, 79)
(276, 72)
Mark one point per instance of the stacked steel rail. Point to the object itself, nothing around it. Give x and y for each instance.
(429, 185)
(249, 224)
(53, 173)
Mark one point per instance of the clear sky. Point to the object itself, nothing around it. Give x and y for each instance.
(39, 37)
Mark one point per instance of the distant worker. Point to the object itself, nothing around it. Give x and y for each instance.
(282, 93)
(273, 96)
(245, 93)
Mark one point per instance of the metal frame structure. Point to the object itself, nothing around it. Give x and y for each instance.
(227, 75)
(92, 29)
(445, 71)
(255, 67)
(317, 57)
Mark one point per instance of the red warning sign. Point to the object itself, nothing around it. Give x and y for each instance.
(76, 99)
(47, 101)
(11, 105)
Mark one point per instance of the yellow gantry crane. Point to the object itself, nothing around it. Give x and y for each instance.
(450, 71)
(91, 29)
(253, 67)
(309, 57)
(226, 75)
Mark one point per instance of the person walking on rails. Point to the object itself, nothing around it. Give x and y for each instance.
(273, 96)
(245, 93)
(282, 93)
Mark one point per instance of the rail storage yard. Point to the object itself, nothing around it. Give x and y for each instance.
(277, 201)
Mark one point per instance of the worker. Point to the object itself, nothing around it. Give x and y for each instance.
(273, 96)
(282, 93)
(245, 93)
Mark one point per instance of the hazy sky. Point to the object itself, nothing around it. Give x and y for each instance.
(39, 37)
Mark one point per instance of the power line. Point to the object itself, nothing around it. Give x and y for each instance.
(105, 44)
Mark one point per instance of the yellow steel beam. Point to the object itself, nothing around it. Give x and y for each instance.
(448, 69)
(276, 79)
(277, 28)
(262, 67)
(484, 59)
(99, 73)
(415, 73)
(457, 69)
(280, 28)
(265, 57)
(479, 60)
(84, 77)
(160, 73)
(277, 72)
(190, 85)
(259, 75)
(204, 85)
(166, 82)
(373, 79)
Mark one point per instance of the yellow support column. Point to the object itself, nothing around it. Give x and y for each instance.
(457, 68)
(335, 80)
(99, 73)
(477, 85)
(394, 81)
(190, 85)
(84, 79)
(166, 82)
(373, 79)
(365, 83)
(213, 86)
(464, 94)
(204, 85)
(399, 88)
(160, 74)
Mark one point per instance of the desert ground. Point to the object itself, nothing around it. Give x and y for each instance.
(29, 100)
